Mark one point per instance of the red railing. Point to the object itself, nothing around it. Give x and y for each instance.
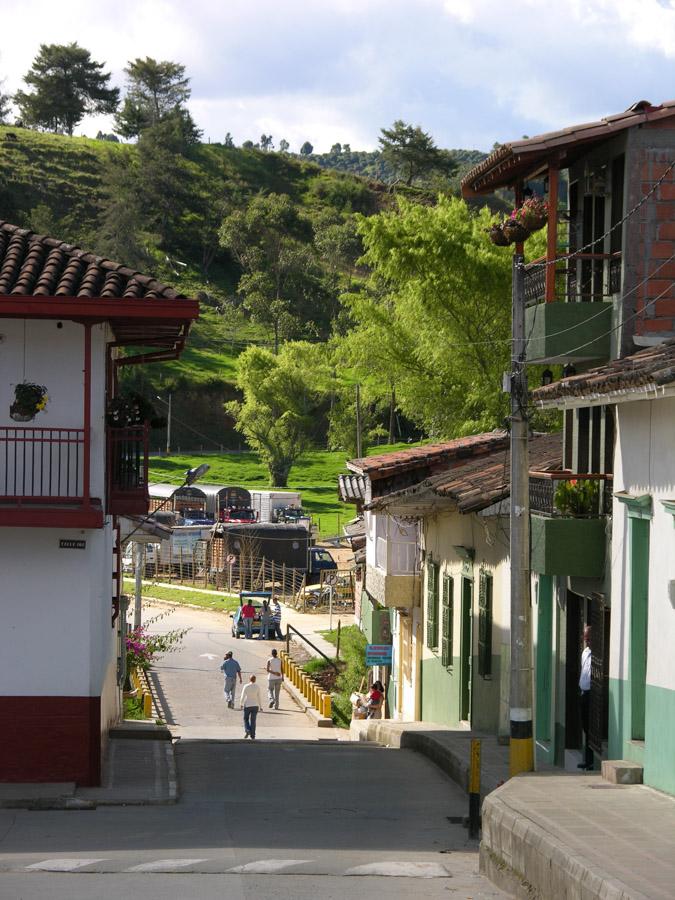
(128, 470)
(42, 465)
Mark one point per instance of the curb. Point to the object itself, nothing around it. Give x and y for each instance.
(306, 706)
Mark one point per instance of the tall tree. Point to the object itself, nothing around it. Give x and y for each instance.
(266, 142)
(121, 222)
(283, 146)
(66, 84)
(156, 90)
(280, 285)
(412, 152)
(307, 149)
(5, 104)
(281, 395)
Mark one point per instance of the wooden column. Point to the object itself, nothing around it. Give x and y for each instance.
(86, 462)
(518, 192)
(552, 230)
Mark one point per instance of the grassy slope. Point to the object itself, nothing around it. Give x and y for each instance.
(314, 475)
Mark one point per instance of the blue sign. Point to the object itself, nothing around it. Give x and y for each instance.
(378, 654)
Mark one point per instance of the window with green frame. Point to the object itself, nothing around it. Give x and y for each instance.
(447, 620)
(432, 605)
(485, 625)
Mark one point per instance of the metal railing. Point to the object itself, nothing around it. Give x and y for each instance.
(544, 485)
(41, 464)
(128, 459)
(583, 278)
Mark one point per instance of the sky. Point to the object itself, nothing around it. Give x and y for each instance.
(469, 72)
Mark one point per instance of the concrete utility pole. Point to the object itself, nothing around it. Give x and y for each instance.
(358, 421)
(138, 582)
(521, 744)
(168, 428)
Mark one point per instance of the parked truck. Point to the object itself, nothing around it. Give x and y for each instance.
(266, 503)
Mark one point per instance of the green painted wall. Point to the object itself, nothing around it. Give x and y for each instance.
(657, 753)
(440, 694)
(371, 619)
(566, 546)
(580, 323)
(544, 658)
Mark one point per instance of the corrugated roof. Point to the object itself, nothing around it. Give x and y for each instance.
(478, 483)
(428, 456)
(525, 158)
(352, 488)
(653, 367)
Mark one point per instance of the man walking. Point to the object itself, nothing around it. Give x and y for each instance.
(276, 620)
(274, 679)
(250, 702)
(265, 622)
(585, 691)
(230, 669)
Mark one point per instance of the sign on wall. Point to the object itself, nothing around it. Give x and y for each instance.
(68, 544)
(378, 654)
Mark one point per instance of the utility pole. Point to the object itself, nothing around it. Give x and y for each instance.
(168, 427)
(138, 582)
(521, 743)
(358, 421)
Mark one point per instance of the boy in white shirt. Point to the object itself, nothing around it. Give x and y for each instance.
(250, 702)
(274, 679)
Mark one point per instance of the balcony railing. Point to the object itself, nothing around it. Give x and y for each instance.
(41, 465)
(128, 470)
(543, 487)
(583, 278)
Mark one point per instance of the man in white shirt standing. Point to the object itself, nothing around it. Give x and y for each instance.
(274, 679)
(250, 702)
(585, 690)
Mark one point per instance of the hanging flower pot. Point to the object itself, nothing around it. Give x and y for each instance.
(132, 409)
(497, 236)
(514, 232)
(533, 214)
(29, 400)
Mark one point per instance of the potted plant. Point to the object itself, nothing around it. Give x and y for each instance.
(497, 236)
(533, 214)
(29, 400)
(132, 409)
(577, 497)
(514, 231)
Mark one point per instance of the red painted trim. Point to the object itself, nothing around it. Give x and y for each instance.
(98, 309)
(86, 462)
(39, 517)
(552, 230)
(51, 739)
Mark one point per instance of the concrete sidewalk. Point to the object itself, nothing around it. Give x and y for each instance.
(549, 834)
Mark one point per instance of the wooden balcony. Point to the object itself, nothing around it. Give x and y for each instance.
(127, 471)
(44, 479)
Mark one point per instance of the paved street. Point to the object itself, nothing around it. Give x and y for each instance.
(301, 818)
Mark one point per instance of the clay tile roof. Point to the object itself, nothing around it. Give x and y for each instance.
(428, 456)
(352, 488)
(524, 158)
(478, 483)
(36, 265)
(646, 371)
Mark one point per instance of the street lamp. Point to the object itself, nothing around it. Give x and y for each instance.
(190, 477)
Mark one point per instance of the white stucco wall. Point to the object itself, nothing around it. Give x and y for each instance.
(39, 351)
(56, 637)
(644, 463)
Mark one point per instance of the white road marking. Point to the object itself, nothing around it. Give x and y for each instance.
(266, 866)
(207, 655)
(401, 870)
(165, 865)
(63, 865)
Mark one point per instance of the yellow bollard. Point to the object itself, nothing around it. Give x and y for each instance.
(147, 706)
(328, 707)
(295, 675)
(314, 694)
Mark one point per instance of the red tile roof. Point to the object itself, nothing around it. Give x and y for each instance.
(33, 265)
(428, 457)
(651, 368)
(521, 159)
(481, 482)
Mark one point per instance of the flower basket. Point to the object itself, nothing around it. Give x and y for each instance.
(514, 232)
(497, 236)
(132, 409)
(577, 497)
(29, 400)
(533, 214)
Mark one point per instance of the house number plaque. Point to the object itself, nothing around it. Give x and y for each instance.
(67, 544)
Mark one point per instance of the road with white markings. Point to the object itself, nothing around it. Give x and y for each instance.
(297, 815)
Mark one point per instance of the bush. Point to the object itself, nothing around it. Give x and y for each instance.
(353, 655)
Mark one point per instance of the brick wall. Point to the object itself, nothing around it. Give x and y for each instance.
(654, 301)
(50, 739)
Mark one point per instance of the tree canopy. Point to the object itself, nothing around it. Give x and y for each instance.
(281, 395)
(413, 154)
(156, 90)
(66, 84)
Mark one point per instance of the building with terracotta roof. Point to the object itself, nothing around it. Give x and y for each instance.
(73, 464)
(604, 289)
(640, 669)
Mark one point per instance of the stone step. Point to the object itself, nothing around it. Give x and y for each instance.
(621, 771)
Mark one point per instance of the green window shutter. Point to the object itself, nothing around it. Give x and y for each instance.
(447, 621)
(485, 625)
(432, 606)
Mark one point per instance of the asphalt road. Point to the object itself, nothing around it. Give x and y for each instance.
(281, 818)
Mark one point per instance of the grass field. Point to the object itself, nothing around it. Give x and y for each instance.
(183, 595)
(315, 475)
